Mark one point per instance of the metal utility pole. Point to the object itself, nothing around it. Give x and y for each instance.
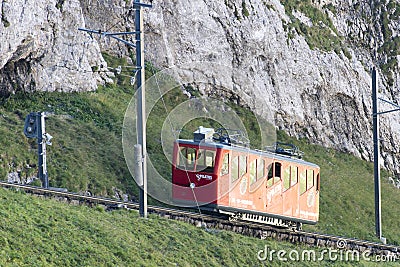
(141, 108)
(140, 86)
(377, 178)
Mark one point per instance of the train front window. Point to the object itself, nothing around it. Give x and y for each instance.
(187, 158)
(205, 161)
(199, 160)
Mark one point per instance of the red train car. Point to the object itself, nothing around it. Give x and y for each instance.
(217, 172)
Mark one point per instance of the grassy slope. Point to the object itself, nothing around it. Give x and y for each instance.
(86, 152)
(37, 232)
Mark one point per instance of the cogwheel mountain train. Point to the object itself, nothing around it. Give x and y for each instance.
(218, 172)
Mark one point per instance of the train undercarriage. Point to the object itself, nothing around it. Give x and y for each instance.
(262, 219)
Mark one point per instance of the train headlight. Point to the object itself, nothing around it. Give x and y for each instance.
(192, 185)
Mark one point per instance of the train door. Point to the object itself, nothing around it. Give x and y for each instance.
(290, 191)
(239, 181)
(273, 196)
(257, 177)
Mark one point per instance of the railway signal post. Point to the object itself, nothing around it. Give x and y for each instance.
(35, 128)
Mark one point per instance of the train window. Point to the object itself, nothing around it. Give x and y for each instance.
(253, 171)
(242, 165)
(270, 181)
(318, 182)
(187, 157)
(310, 179)
(235, 168)
(303, 182)
(260, 168)
(205, 160)
(278, 171)
(274, 173)
(210, 157)
(286, 178)
(293, 178)
(200, 160)
(225, 165)
(270, 171)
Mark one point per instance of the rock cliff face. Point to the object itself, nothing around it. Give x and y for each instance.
(40, 48)
(308, 64)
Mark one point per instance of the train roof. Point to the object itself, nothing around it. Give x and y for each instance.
(212, 144)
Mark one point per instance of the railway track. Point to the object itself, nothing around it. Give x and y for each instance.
(213, 222)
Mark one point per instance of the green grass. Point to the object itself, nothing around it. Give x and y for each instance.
(319, 35)
(322, 34)
(245, 11)
(44, 232)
